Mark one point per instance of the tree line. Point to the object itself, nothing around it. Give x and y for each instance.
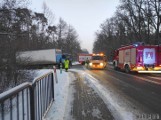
(22, 29)
(134, 21)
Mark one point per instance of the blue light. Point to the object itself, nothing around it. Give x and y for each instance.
(136, 45)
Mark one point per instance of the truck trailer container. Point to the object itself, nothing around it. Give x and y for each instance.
(39, 57)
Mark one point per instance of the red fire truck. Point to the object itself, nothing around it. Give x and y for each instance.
(138, 57)
(83, 57)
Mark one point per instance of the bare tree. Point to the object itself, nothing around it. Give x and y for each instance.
(72, 45)
(134, 21)
(62, 33)
(48, 14)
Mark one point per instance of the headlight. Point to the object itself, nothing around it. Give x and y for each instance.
(90, 64)
(139, 68)
(101, 64)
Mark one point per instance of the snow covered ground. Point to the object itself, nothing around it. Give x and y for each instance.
(57, 111)
(61, 106)
(120, 108)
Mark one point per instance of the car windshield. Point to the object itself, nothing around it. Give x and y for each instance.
(97, 57)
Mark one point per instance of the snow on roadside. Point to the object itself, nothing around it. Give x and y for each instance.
(63, 96)
(117, 104)
(32, 74)
(70, 99)
(75, 63)
(121, 108)
(110, 63)
(40, 72)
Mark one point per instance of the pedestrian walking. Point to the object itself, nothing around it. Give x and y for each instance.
(66, 65)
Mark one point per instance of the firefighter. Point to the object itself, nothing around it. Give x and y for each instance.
(66, 64)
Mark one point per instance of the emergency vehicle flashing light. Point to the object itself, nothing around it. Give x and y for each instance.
(101, 54)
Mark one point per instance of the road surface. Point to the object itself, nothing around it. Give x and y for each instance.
(138, 93)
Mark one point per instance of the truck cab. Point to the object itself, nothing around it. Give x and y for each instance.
(98, 61)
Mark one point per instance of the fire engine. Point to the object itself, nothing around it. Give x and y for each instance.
(138, 57)
(98, 61)
(83, 57)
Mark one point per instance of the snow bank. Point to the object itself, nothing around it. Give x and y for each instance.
(58, 108)
(75, 63)
(121, 108)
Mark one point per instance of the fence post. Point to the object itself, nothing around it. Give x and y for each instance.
(52, 82)
(61, 66)
(56, 79)
(32, 105)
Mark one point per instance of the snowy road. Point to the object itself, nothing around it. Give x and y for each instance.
(131, 94)
(124, 96)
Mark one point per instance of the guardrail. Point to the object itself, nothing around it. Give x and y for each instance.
(28, 101)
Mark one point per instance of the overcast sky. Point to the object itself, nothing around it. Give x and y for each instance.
(84, 15)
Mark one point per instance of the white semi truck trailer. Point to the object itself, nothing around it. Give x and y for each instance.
(39, 57)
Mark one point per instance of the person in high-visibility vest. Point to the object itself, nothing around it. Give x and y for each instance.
(66, 64)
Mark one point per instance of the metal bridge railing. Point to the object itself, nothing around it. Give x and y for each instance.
(28, 101)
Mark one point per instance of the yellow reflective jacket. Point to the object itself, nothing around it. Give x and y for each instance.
(66, 63)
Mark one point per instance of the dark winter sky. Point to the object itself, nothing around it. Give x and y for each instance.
(84, 15)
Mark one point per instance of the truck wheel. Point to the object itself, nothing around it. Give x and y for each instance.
(127, 69)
